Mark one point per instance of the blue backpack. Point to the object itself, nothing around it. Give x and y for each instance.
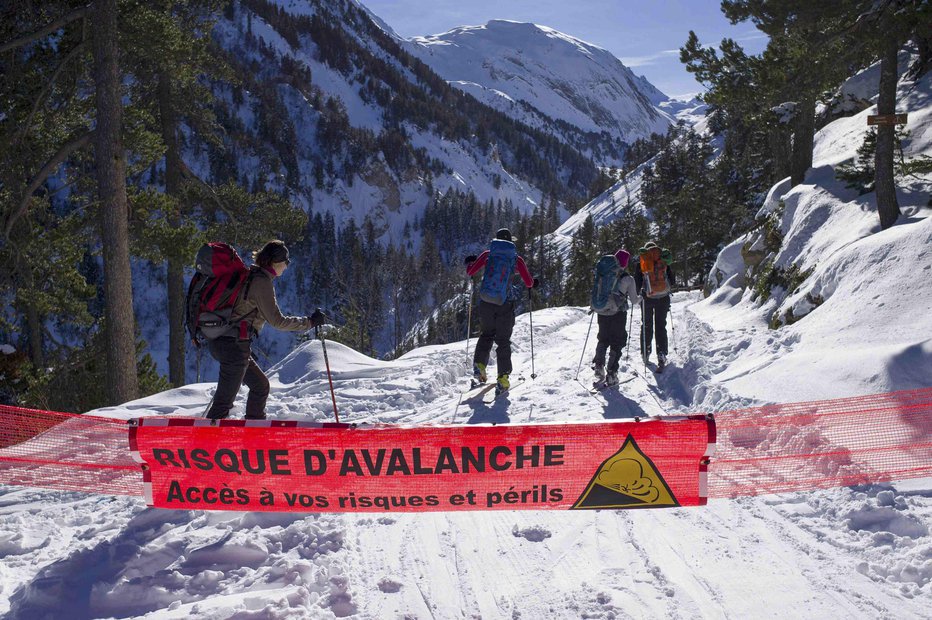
(498, 269)
(607, 274)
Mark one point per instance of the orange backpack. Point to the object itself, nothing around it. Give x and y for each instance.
(655, 273)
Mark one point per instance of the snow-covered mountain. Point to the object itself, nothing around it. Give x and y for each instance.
(540, 75)
(317, 52)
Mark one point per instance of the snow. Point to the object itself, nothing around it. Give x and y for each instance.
(604, 208)
(856, 552)
(859, 273)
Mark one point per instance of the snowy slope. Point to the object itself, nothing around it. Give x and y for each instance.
(376, 191)
(554, 74)
(872, 329)
(859, 553)
(604, 209)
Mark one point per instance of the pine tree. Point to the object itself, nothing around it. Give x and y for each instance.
(168, 52)
(110, 168)
(584, 252)
(887, 26)
(808, 50)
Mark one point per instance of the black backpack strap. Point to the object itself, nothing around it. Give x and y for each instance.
(192, 306)
(244, 330)
(252, 274)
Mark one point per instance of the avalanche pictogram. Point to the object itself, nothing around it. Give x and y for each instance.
(627, 479)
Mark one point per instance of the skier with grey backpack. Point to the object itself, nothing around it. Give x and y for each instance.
(612, 288)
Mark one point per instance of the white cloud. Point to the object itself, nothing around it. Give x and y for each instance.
(640, 61)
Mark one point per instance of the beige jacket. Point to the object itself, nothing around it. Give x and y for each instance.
(259, 306)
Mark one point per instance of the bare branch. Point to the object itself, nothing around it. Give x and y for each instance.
(50, 166)
(67, 18)
(187, 173)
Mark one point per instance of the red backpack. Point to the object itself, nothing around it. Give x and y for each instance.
(220, 276)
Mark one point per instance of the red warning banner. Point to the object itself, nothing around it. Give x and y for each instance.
(309, 467)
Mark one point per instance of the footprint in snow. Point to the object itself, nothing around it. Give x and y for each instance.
(389, 586)
(533, 534)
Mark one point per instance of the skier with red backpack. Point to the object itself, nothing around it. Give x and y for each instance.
(655, 280)
(228, 305)
(611, 287)
(497, 305)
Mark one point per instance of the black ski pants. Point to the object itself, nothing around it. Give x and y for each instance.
(655, 324)
(496, 324)
(237, 367)
(612, 338)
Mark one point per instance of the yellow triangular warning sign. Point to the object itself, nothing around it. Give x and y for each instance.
(628, 479)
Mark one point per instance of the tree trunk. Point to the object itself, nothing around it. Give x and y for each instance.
(122, 383)
(803, 137)
(780, 151)
(884, 183)
(175, 279)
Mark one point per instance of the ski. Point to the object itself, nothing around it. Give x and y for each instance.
(601, 386)
(515, 383)
(477, 391)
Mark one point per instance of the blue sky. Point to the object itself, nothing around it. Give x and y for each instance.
(645, 35)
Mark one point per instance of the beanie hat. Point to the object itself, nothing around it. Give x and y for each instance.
(279, 253)
(274, 251)
(503, 234)
(622, 256)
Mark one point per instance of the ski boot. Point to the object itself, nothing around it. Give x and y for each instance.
(478, 374)
(661, 362)
(502, 385)
(611, 379)
(599, 372)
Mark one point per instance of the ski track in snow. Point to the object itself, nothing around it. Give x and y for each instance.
(851, 552)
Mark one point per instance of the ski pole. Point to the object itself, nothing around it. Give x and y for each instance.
(585, 344)
(472, 291)
(630, 325)
(530, 314)
(643, 338)
(673, 324)
(323, 344)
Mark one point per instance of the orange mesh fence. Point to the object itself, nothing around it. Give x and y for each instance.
(65, 451)
(769, 449)
(832, 443)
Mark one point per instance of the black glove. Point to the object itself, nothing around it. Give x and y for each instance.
(470, 260)
(318, 318)
(536, 283)
(590, 311)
